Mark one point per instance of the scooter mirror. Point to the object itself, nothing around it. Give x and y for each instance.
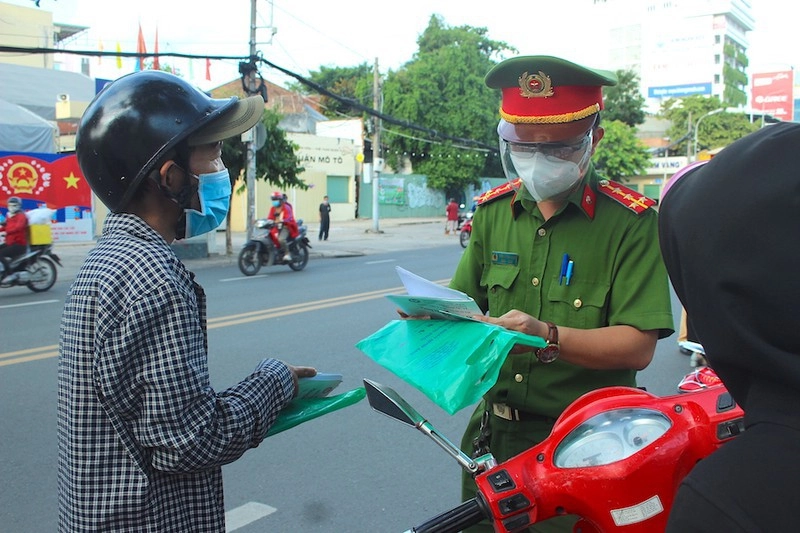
(385, 400)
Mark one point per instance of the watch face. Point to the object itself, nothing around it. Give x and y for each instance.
(548, 354)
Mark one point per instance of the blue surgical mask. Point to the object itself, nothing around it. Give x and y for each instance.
(276, 203)
(214, 191)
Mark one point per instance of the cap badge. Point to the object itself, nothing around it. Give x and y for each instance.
(535, 85)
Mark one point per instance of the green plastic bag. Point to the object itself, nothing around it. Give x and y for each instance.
(453, 362)
(303, 410)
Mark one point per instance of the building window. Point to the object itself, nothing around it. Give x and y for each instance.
(716, 59)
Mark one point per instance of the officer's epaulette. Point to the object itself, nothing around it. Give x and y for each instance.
(636, 202)
(498, 192)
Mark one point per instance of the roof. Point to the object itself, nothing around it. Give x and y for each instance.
(37, 89)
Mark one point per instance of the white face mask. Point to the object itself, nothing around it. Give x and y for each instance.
(545, 176)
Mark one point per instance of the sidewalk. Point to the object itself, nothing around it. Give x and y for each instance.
(346, 239)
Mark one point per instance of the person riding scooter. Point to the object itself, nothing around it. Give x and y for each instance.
(281, 211)
(16, 241)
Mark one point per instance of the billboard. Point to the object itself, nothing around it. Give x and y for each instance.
(53, 181)
(772, 94)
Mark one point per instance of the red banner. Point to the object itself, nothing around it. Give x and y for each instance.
(772, 94)
(53, 181)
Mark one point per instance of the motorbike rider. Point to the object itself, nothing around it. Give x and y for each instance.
(281, 211)
(741, 295)
(142, 435)
(16, 240)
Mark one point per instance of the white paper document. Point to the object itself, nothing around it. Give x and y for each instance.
(426, 298)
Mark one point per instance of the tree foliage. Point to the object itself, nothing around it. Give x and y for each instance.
(620, 154)
(276, 162)
(442, 88)
(713, 131)
(624, 101)
(353, 83)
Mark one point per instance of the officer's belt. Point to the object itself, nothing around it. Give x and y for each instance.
(506, 412)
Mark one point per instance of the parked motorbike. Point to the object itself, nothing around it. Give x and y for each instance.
(35, 269)
(466, 231)
(261, 250)
(623, 443)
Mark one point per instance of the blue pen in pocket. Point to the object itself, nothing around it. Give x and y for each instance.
(563, 274)
(570, 266)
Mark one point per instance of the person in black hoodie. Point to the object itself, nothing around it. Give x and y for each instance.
(729, 236)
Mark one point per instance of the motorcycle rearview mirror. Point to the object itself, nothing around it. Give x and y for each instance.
(387, 401)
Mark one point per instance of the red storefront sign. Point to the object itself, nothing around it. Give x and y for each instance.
(772, 94)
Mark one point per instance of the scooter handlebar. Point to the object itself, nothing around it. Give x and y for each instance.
(456, 519)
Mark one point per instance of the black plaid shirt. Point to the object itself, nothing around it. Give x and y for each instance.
(141, 434)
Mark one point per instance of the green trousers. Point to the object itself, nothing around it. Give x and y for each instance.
(508, 438)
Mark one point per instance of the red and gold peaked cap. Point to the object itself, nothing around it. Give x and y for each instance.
(548, 90)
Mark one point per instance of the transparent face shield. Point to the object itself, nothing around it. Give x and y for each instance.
(547, 170)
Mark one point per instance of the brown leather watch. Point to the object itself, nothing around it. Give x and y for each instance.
(549, 353)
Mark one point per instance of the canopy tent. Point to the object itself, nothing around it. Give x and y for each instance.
(24, 131)
(38, 89)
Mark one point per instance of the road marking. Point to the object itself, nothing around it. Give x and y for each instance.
(29, 303)
(46, 352)
(381, 261)
(246, 514)
(240, 278)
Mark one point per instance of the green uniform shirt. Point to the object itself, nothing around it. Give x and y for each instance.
(514, 261)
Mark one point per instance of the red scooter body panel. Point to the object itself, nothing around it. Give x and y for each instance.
(606, 458)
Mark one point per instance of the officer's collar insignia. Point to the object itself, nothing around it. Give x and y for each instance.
(588, 201)
(629, 198)
(535, 85)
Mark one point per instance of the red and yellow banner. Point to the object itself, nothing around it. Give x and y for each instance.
(53, 181)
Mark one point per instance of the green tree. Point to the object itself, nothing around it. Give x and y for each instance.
(276, 162)
(620, 154)
(352, 83)
(713, 131)
(624, 101)
(442, 88)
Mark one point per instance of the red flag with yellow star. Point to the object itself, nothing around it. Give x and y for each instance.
(54, 181)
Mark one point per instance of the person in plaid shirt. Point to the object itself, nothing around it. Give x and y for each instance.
(142, 435)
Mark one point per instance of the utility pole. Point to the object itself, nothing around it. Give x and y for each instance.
(377, 165)
(250, 145)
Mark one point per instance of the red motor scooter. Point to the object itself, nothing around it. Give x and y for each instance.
(615, 458)
(466, 231)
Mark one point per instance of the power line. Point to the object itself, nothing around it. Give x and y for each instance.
(434, 134)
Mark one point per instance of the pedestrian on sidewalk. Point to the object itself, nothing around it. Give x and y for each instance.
(452, 217)
(324, 218)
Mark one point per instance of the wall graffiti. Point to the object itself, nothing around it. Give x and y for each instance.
(420, 196)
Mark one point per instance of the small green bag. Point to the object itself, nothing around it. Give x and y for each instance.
(303, 410)
(453, 362)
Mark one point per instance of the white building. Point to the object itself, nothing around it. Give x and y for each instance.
(677, 47)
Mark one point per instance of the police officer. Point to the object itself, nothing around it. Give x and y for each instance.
(561, 253)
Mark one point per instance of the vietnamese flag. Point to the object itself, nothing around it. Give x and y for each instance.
(140, 49)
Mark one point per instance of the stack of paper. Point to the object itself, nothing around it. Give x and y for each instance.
(426, 298)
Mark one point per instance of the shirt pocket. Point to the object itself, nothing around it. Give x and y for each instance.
(499, 282)
(580, 305)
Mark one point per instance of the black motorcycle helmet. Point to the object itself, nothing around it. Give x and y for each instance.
(136, 120)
